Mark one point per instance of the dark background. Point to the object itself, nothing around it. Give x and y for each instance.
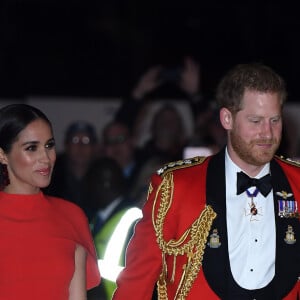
(99, 48)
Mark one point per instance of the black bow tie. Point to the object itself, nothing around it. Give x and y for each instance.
(244, 182)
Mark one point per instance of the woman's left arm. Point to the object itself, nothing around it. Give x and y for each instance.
(77, 289)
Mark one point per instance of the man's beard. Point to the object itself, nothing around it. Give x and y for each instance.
(250, 153)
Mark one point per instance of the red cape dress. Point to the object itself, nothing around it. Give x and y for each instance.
(38, 236)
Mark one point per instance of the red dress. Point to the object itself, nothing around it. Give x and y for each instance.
(39, 235)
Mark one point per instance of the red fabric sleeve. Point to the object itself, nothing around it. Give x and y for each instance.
(78, 230)
(85, 239)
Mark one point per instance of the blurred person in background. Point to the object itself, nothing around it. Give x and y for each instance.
(105, 193)
(185, 78)
(80, 149)
(208, 131)
(118, 143)
(167, 135)
(139, 190)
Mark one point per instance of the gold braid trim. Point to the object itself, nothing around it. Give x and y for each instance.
(191, 243)
(289, 161)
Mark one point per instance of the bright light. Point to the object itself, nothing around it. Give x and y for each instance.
(109, 266)
(109, 271)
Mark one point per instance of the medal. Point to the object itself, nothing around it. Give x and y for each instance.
(253, 210)
(290, 236)
(287, 208)
(214, 239)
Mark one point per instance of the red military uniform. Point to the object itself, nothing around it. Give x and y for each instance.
(185, 203)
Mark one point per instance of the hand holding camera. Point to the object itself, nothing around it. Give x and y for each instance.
(185, 76)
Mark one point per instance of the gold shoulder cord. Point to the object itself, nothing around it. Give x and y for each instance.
(191, 243)
(289, 161)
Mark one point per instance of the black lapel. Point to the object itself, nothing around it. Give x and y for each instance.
(215, 262)
(287, 255)
(216, 266)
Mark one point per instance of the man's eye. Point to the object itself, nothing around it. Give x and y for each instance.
(275, 120)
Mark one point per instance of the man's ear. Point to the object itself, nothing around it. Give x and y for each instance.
(226, 118)
(3, 158)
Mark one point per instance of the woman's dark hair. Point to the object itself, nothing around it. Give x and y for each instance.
(13, 119)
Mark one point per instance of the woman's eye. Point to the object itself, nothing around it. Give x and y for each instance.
(50, 145)
(31, 148)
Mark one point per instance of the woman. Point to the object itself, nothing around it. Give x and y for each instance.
(46, 247)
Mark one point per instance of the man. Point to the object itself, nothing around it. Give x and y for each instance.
(106, 198)
(118, 144)
(200, 237)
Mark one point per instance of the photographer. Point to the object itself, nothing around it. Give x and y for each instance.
(186, 78)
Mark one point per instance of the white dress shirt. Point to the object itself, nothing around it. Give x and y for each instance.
(251, 238)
